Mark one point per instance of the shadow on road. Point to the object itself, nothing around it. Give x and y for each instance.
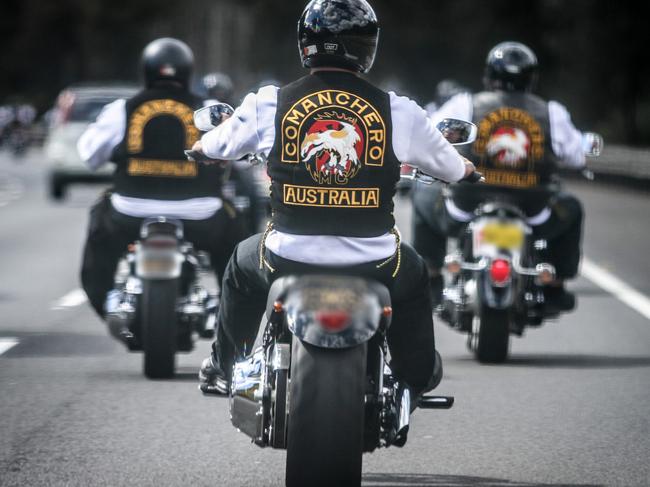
(577, 361)
(424, 480)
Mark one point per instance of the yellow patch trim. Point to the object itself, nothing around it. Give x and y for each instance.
(523, 177)
(330, 197)
(156, 108)
(293, 120)
(510, 178)
(162, 168)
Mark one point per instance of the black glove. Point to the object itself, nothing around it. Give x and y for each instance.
(474, 177)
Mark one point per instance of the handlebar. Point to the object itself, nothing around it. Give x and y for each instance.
(193, 155)
(417, 175)
(475, 177)
(253, 159)
(256, 159)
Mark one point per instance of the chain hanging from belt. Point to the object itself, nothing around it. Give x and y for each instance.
(262, 249)
(396, 256)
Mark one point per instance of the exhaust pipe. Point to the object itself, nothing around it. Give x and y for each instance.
(246, 408)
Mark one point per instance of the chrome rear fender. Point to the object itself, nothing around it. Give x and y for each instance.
(336, 311)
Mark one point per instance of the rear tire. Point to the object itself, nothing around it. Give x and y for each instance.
(326, 416)
(159, 327)
(492, 338)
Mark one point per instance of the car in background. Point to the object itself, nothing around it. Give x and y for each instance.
(77, 107)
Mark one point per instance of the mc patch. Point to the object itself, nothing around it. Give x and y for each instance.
(510, 143)
(334, 134)
(155, 108)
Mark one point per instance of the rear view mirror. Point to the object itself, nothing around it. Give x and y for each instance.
(592, 144)
(457, 132)
(207, 118)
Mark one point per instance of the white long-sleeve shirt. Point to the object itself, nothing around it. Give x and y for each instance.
(566, 140)
(95, 147)
(102, 136)
(416, 141)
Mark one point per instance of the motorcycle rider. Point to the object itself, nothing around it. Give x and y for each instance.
(218, 87)
(145, 137)
(445, 90)
(522, 139)
(334, 144)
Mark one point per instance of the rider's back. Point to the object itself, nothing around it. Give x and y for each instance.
(513, 150)
(332, 164)
(150, 160)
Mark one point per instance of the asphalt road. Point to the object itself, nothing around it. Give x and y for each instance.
(572, 407)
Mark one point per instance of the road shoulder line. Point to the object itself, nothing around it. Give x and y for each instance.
(615, 286)
(74, 298)
(7, 343)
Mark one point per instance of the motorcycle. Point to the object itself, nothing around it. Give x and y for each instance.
(320, 384)
(494, 278)
(158, 302)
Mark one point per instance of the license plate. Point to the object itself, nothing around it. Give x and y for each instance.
(152, 264)
(159, 265)
(502, 235)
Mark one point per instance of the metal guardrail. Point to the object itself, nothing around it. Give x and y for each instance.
(622, 161)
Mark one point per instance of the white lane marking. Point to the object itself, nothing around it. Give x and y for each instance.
(70, 300)
(612, 284)
(7, 344)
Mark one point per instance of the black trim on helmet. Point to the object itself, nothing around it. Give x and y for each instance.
(510, 66)
(167, 59)
(338, 33)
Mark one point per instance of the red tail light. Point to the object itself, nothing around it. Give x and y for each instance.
(333, 321)
(500, 271)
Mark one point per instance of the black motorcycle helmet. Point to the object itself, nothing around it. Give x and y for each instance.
(167, 59)
(338, 33)
(510, 66)
(218, 86)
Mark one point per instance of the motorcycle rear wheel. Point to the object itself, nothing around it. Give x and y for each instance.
(326, 416)
(491, 340)
(159, 327)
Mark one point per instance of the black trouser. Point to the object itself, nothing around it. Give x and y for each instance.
(246, 286)
(110, 232)
(562, 231)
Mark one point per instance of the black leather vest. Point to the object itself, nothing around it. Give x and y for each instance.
(513, 150)
(332, 165)
(150, 162)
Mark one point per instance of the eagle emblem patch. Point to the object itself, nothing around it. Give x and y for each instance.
(510, 143)
(334, 135)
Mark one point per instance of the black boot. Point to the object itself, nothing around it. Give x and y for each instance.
(437, 374)
(558, 299)
(213, 379)
(434, 381)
